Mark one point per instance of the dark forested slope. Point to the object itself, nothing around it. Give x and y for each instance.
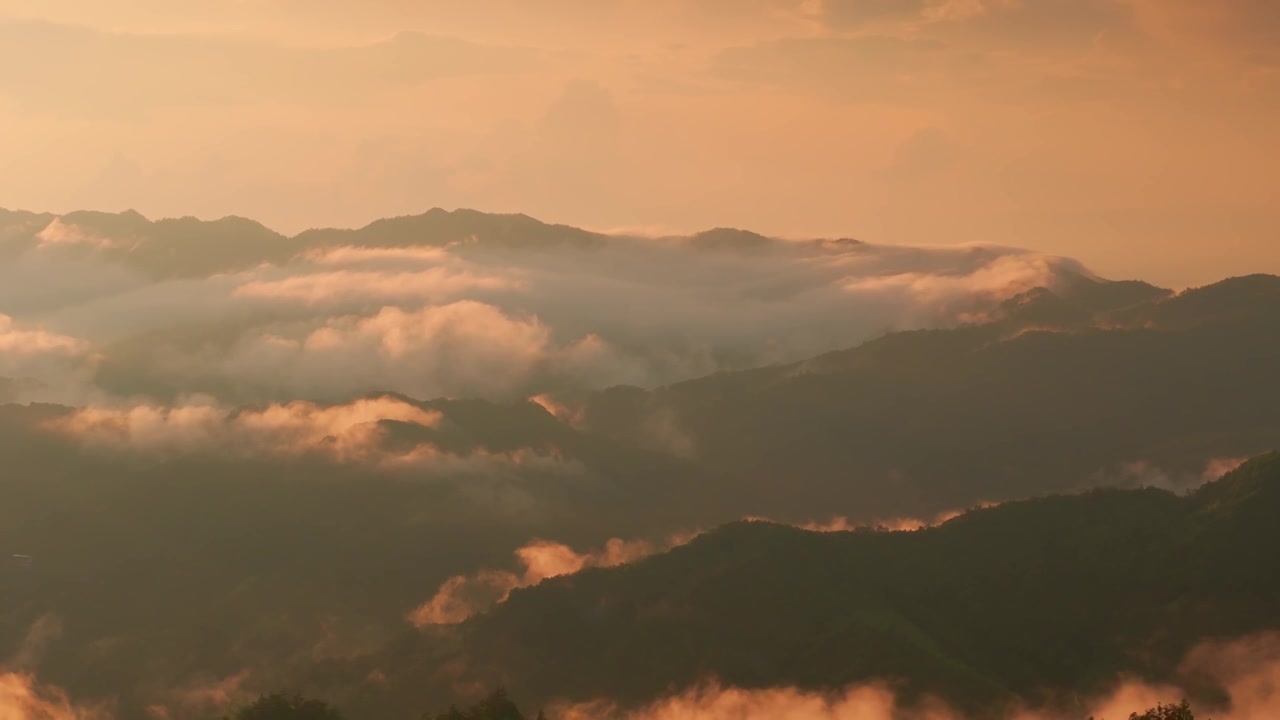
(921, 422)
(1038, 600)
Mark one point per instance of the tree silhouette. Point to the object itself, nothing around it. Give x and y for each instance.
(1181, 711)
(280, 706)
(497, 706)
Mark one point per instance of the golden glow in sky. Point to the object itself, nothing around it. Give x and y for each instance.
(1140, 136)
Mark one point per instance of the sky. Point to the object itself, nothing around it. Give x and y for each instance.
(1138, 136)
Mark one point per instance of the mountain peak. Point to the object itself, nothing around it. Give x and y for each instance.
(1233, 298)
(724, 238)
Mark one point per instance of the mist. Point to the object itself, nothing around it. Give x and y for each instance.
(460, 314)
(1246, 670)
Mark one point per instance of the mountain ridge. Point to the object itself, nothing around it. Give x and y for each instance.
(1022, 572)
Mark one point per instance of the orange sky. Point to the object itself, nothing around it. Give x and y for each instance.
(1140, 136)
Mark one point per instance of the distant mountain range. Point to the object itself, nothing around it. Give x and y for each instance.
(1055, 391)
(496, 306)
(276, 533)
(191, 247)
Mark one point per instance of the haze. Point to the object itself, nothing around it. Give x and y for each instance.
(639, 359)
(1130, 134)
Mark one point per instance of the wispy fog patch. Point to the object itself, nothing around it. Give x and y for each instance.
(347, 275)
(1145, 473)
(349, 286)
(841, 523)
(506, 483)
(44, 631)
(1247, 669)
(292, 428)
(565, 412)
(59, 233)
(1216, 468)
(463, 596)
(871, 702)
(22, 697)
(426, 457)
(16, 340)
(39, 365)
(464, 348)
(200, 700)
(960, 294)
(377, 257)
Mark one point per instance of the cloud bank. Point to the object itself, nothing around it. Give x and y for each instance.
(455, 304)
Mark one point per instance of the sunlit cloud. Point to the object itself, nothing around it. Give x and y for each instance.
(463, 596)
(1248, 669)
(17, 340)
(451, 314)
(23, 698)
(287, 429)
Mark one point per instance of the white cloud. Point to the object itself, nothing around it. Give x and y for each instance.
(462, 348)
(292, 428)
(502, 321)
(60, 233)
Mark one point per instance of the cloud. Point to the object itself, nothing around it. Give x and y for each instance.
(716, 703)
(519, 483)
(1216, 468)
(1002, 278)
(40, 365)
(375, 275)
(354, 256)
(15, 340)
(463, 596)
(458, 305)
(289, 429)
(1247, 669)
(22, 698)
(201, 699)
(464, 348)
(1145, 473)
(45, 630)
(571, 415)
(346, 285)
(893, 524)
(296, 113)
(59, 233)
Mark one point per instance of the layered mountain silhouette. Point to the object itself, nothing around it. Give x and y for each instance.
(189, 247)
(1054, 390)
(1032, 602)
(183, 564)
